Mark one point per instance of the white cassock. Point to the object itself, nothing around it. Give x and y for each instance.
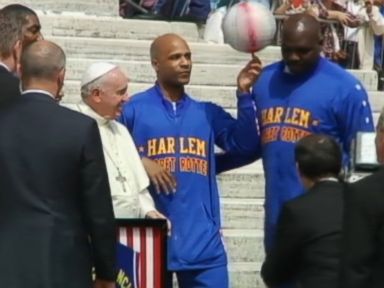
(127, 177)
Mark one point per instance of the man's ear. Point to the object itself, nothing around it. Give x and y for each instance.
(16, 55)
(61, 78)
(62, 74)
(95, 95)
(155, 64)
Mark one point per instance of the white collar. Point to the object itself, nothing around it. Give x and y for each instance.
(332, 179)
(286, 70)
(5, 66)
(37, 91)
(87, 110)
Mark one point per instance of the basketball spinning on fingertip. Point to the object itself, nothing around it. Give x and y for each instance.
(249, 27)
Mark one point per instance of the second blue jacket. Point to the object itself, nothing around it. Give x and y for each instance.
(181, 137)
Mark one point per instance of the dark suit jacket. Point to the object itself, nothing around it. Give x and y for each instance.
(307, 248)
(56, 217)
(9, 86)
(363, 237)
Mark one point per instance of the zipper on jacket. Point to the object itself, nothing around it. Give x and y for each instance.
(174, 106)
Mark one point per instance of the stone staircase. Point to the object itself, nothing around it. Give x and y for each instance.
(89, 30)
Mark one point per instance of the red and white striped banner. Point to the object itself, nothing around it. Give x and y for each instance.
(148, 242)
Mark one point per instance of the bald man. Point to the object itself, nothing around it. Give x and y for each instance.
(175, 136)
(300, 95)
(56, 210)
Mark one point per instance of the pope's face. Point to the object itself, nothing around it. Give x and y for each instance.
(113, 94)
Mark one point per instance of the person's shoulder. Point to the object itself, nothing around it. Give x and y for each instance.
(211, 108)
(68, 113)
(273, 67)
(71, 106)
(267, 74)
(9, 78)
(367, 192)
(300, 201)
(121, 128)
(309, 201)
(124, 134)
(142, 96)
(375, 179)
(9, 82)
(338, 75)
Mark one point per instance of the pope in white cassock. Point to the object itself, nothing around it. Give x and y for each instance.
(104, 91)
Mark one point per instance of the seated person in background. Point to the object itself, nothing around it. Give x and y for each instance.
(189, 10)
(306, 251)
(333, 32)
(104, 91)
(228, 3)
(379, 52)
(196, 11)
(131, 8)
(378, 62)
(370, 23)
(292, 7)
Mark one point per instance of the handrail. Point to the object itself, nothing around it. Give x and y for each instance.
(279, 19)
(282, 17)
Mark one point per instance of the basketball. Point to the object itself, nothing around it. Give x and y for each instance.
(249, 27)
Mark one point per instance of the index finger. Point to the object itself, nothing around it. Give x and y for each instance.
(255, 59)
(171, 181)
(167, 181)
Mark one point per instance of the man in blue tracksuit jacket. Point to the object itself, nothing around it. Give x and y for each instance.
(175, 136)
(300, 95)
(303, 94)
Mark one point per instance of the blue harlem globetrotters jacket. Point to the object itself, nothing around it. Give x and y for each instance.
(181, 137)
(327, 100)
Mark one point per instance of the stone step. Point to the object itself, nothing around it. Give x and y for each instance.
(138, 50)
(244, 245)
(243, 213)
(202, 74)
(245, 275)
(376, 99)
(243, 183)
(78, 25)
(223, 96)
(91, 7)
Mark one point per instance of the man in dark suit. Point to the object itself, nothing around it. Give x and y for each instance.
(362, 264)
(10, 51)
(56, 215)
(27, 20)
(307, 247)
(19, 27)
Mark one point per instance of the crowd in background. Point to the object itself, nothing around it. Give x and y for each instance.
(352, 29)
